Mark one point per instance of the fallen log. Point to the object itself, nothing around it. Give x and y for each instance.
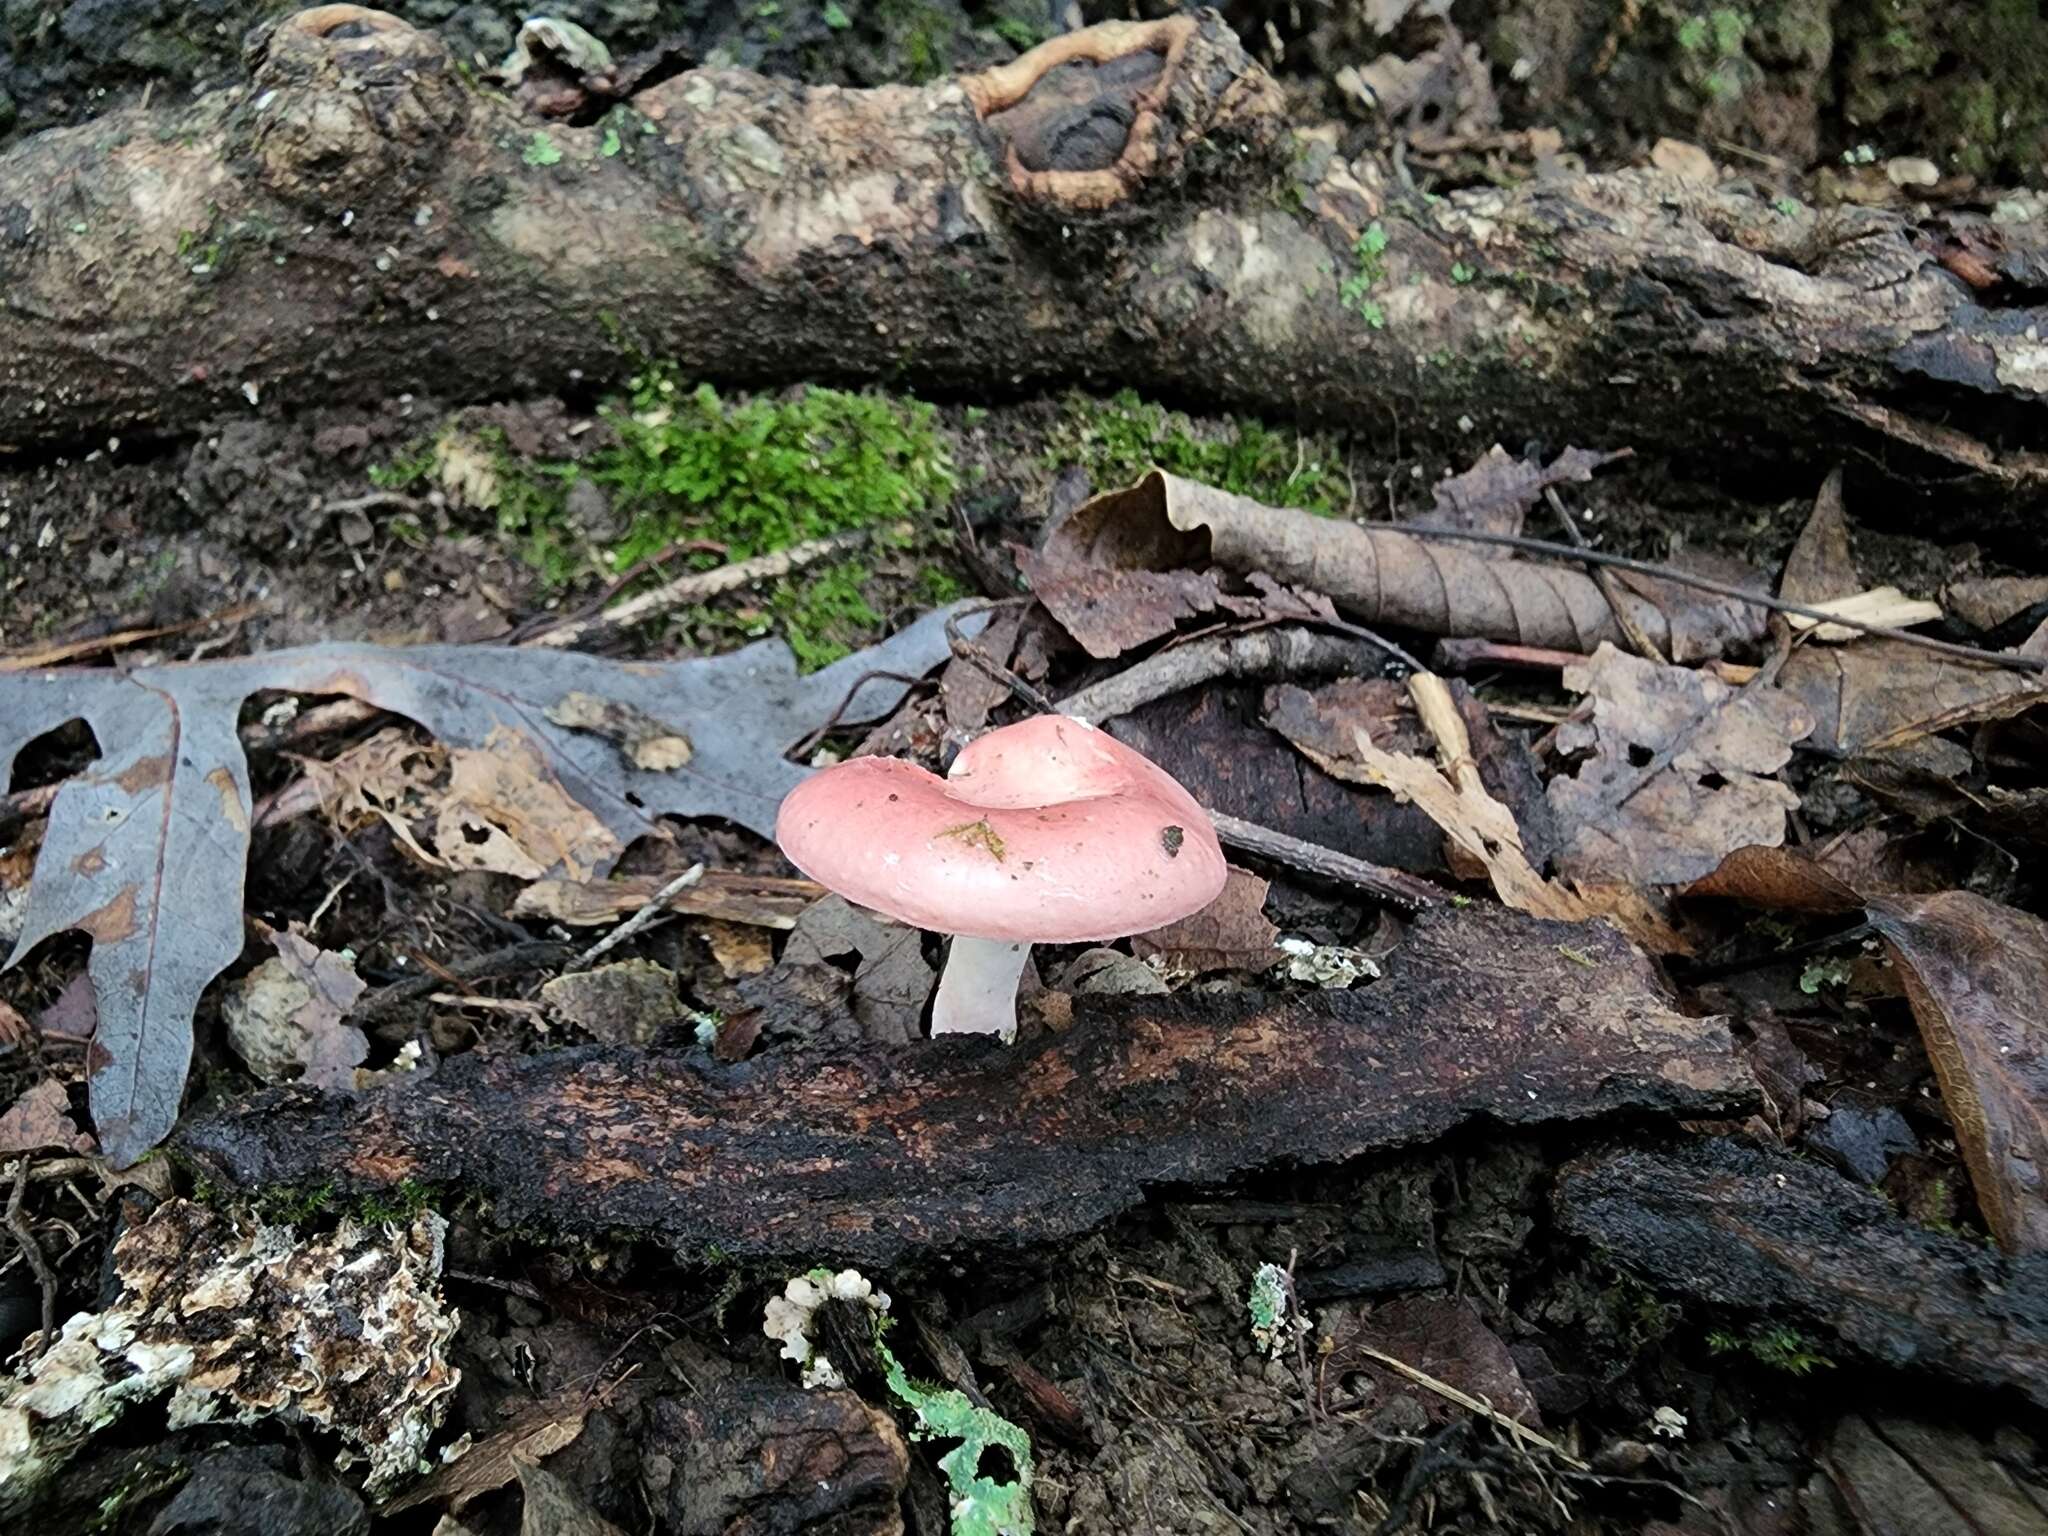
(1126, 204)
(1734, 1225)
(885, 1153)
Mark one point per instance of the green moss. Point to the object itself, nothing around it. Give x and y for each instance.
(1119, 439)
(1774, 1346)
(825, 616)
(767, 472)
(403, 1205)
(293, 1205)
(541, 150)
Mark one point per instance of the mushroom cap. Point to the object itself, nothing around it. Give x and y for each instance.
(1046, 832)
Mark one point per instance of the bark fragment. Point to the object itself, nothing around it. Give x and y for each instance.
(1730, 1224)
(872, 1154)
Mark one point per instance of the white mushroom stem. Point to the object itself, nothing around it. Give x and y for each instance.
(978, 988)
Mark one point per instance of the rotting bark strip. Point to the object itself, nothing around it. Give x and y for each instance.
(881, 1154)
(368, 222)
(1790, 1242)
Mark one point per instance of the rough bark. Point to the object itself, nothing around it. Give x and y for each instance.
(1793, 1242)
(360, 220)
(884, 1153)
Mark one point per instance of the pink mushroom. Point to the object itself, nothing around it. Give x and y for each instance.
(1044, 832)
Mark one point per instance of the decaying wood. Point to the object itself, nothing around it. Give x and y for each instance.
(882, 1153)
(358, 219)
(773, 1458)
(1789, 1240)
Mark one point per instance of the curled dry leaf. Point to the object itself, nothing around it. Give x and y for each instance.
(169, 799)
(40, 1118)
(1230, 934)
(1621, 822)
(1976, 974)
(1386, 575)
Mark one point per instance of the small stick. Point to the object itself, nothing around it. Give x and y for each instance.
(1459, 656)
(1465, 1400)
(31, 1250)
(1609, 584)
(1394, 885)
(696, 586)
(644, 918)
(1244, 654)
(499, 962)
(1967, 653)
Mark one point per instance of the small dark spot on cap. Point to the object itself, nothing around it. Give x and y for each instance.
(1170, 838)
(895, 797)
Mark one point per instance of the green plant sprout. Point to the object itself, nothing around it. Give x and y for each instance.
(1366, 252)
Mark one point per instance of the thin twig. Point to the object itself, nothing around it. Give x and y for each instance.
(1465, 1400)
(644, 918)
(1394, 885)
(700, 585)
(1609, 585)
(1669, 573)
(32, 1251)
(499, 962)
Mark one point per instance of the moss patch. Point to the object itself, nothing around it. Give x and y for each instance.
(1117, 440)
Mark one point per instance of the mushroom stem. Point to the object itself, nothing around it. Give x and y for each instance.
(978, 988)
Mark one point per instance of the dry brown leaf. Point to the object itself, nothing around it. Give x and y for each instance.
(286, 1016)
(1988, 601)
(1230, 934)
(14, 1028)
(627, 1003)
(1976, 974)
(763, 901)
(1110, 611)
(1778, 880)
(1447, 1338)
(1822, 566)
(503, 811)
(1475, 822)
(642, 740)
(1680, 822)
(1386, 575)
(40, 1118)
(1882, 693)
(1496, 493)
(890, 980)
(739, 949)
(535, 1432)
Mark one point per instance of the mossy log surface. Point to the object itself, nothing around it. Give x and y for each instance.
(886, 1153)
(1128, 204)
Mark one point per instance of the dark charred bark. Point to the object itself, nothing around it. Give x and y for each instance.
(881, 1154)
(1125, 205)
(1731, 1224)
